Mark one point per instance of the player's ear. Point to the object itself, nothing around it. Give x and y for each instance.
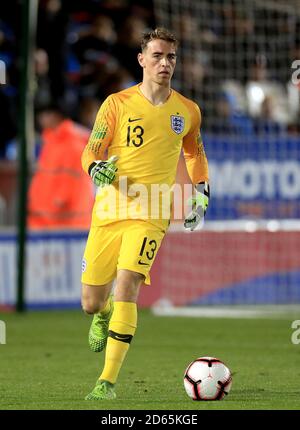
(140, 58)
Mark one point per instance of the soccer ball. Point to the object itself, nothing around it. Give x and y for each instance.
(207, 378)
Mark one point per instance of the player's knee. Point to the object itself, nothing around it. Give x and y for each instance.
(129, 278)
(92, 306)
(128, 285)
(89, 306)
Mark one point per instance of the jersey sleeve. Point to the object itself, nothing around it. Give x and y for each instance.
(193, 150)
(102, 133)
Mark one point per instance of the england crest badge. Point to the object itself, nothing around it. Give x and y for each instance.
(177, 123)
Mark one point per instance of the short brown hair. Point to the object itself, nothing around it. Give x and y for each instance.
(158, 33)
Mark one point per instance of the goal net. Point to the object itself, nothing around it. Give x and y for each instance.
(237, 61)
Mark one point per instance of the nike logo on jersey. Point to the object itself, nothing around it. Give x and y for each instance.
(143, 264)
(134, 119)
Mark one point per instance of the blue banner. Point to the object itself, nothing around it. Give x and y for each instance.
(254, 178)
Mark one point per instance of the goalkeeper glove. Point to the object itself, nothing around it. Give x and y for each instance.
(103, 172)
(199, 204)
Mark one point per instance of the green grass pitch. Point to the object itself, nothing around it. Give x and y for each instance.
(46, 362)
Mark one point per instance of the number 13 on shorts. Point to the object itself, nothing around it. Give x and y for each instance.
(145, 254)
(140, 245)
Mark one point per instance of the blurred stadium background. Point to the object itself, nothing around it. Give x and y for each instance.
(236, 61)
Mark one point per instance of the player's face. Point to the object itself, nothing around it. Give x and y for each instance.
(158, 61)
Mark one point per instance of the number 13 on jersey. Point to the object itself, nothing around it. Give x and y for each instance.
(135, 136)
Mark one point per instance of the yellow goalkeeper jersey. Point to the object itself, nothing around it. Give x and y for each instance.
(148, 140)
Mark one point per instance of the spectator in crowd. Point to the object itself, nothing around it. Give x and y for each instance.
(117, 81)
(8, 126)
(8, 83)
(293, 81)
(51, 36)
(60, 193)
(43, 84)
(229, 121)
(275, 30)
(260, 86)
(88, 109)
(93, 50)
(99, 38)
(128, 45)
(238, 42)
(264, 123)
(7, 45)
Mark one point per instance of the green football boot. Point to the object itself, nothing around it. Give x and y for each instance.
(103, 390)
(99, 329)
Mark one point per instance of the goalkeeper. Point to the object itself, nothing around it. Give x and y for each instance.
(143, 129)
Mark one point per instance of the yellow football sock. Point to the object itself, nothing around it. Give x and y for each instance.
(121, 328)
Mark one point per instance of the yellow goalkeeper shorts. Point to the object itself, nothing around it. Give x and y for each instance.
(128, 244)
